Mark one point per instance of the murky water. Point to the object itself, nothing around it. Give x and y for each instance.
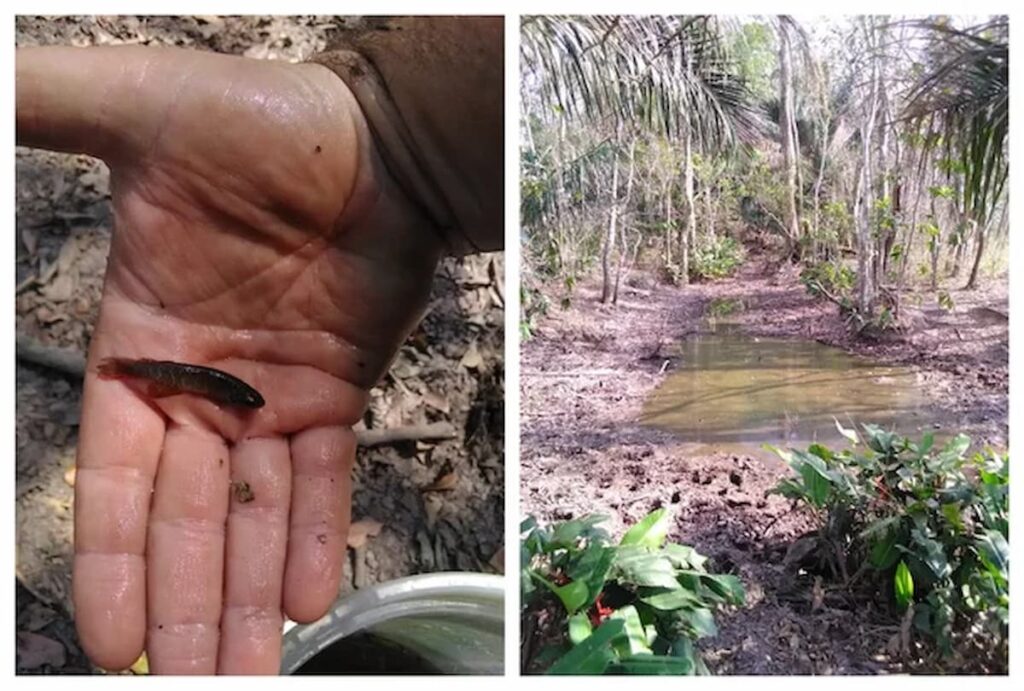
(729, 387)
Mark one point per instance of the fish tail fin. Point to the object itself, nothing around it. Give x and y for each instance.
(111, 367)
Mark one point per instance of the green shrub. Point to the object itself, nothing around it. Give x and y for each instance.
(715, 258)
(534, 305)
(932, 525)
(631, 608)
(829, 278)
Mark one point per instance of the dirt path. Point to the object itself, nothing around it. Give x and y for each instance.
(585, 376)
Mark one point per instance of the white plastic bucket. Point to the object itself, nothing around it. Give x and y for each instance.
(453, 622)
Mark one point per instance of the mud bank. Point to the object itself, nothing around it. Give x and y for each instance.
(586, 375)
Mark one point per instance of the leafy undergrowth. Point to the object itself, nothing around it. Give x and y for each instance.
(716, 257)
(927, 528)
(635, 607)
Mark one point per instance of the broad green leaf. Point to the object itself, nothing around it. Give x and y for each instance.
(884, 551)
(786, 456)
(814, 474)
(927, 441)
(726, 586)
(701, 619)
(682, 648)
(594, 654)
(790, 489)
(573, 595)
(672, 599)
(635, 642)
(592, 568)
(684, 557)
(526, 584)
(956, 446)
(933, 555)
(994, 552)
(636, 566)
(649, 532)
(579, 628)
(656, 665)
(882, 525)
(568, 533)
(903, 584)
(952, 513)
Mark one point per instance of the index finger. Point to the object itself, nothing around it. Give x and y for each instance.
(118, 450)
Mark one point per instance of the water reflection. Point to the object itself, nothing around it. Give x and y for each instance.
(730, 387)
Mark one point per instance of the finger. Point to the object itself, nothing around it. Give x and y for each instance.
(88, 100)
(322, 460)
(186, 553)
(257, 539)
(118, 451)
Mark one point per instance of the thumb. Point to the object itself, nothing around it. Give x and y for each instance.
(96, 101)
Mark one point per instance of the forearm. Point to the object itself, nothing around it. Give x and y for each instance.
(432, 91)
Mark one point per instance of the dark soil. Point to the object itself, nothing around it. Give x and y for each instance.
(451, 369)
(585, 376)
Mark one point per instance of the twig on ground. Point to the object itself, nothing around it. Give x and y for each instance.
(27, 283)
(499, 288)
(66, 360)
(380, 437)
(572, 373)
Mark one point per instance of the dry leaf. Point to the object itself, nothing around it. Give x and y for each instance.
(140, 666)
(436, 402)
(58, 505)
(35, 650)
(497, 562)
(472, 358)
(442, 484)
(69, 475)
(30, 238)
(61, 288)
(242, 491)
(362, 530)
(432, 505)
(36, 616)
(817, 594)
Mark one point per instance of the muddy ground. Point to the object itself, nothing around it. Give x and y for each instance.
(450, 370)
(586, 374)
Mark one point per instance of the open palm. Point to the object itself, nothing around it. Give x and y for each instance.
(255, 232)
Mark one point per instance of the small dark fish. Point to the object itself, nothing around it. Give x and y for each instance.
(170, 378)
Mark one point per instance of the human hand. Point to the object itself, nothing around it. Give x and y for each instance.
(255, 232)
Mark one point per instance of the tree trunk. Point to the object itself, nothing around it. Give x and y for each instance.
(920, 189)
(789, 147)
(668, 224)
(709, 211)
(818, 181)
(933, 247)
(689, 228)
(865, 242)
(972, 282)
(610, 237)
(624, 250)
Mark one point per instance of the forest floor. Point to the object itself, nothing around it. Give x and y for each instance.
(440, 505)
(585, 376)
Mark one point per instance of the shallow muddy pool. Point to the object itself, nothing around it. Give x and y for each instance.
(729, 388)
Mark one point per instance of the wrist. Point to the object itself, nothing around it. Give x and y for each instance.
(431, 93)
